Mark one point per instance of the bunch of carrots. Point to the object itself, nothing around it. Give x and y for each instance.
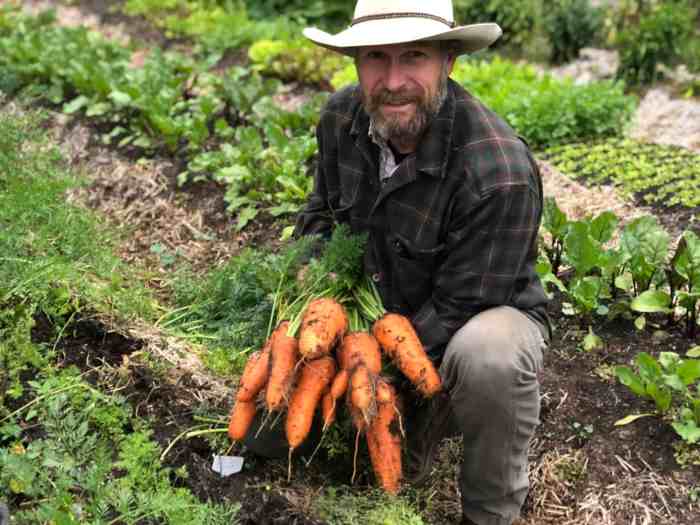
(315, 363)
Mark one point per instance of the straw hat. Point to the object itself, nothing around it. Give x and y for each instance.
(382, 22)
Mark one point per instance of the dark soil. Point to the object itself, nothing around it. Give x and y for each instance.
(573, 393)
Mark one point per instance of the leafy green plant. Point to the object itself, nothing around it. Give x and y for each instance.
(655, 39)
(215, 26)
(644, 245)
(299, 60)
(673, 384)
(555, 223)
(594, 265)
(543, 109)
(570, 25)
(683, 279)
(516, 19)
(329, 14)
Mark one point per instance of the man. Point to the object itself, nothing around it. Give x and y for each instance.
(451, 200)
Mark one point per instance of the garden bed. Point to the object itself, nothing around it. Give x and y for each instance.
(584, 469)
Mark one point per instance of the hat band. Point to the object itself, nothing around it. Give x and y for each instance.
(386, 16)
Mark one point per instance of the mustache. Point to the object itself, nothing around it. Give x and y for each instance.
(395, 97)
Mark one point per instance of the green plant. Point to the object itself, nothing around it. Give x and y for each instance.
(373, 508)
(50, 261)
(67, 474)
(329, 14)
(593, 265)
(683, 278)
(656, 39)
(644, 245)
(214, 25)
(517, 19)
(544, 109)
(299, 60)
(555, 223)
(570, 25)
(656, 174)
(673, 384)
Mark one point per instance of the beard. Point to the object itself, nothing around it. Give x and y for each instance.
(394, 127)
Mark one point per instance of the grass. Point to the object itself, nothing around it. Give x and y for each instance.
(375, 508)
(53, 254)
(69, 453)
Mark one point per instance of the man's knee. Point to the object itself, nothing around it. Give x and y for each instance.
(496, 346)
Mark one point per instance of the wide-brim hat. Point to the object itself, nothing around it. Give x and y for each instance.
(385, 22)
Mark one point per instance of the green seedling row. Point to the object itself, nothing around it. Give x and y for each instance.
(659, 175)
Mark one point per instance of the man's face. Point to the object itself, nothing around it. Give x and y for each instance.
(403, 87)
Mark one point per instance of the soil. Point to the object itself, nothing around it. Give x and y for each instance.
(579, 473)
(584, 469)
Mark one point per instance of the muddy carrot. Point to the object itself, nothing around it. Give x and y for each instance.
(255, 373)
(284, 355)
(330, 400)
(360, 347)
(324, 323)
(328, 408)
(315, 377)
(399, 340)
(384, 444)
(241, 417)
(362, 391)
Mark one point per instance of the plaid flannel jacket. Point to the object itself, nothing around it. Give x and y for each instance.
(453, 231)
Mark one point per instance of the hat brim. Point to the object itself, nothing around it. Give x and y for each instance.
(403, 30)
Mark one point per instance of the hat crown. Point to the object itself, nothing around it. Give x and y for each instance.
(439, 8)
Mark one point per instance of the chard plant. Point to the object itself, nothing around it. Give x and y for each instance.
(673, 384)
(682, 297)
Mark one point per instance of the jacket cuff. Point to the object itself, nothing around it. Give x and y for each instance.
(431, 331)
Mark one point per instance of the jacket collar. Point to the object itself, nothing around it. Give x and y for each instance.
(433, 150)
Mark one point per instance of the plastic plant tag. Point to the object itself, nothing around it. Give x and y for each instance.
(227, 465)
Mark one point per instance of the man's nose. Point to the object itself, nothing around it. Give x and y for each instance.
(395, 76)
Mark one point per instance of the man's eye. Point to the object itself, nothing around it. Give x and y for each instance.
(414, 55)
(374, 55)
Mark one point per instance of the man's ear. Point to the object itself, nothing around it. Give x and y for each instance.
(451, 59)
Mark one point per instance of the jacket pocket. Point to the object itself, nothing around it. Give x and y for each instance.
(414, 269)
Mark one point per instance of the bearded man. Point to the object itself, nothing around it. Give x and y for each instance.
(451, 200)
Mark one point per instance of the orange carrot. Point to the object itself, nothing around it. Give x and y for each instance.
(284, 355)
(330, 399)
(315, 377)
(384, 394)
(399, 340)
(328, 405)
(255, 373)
(360, 347)
(241, 417)
(384, 444)
(340, 384)
(323, 325)
(362, 391)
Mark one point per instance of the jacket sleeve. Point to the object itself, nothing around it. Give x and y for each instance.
(489, 258)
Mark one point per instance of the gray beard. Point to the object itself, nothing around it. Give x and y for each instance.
(392, 129)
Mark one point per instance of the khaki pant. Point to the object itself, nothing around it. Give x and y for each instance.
(489, 371)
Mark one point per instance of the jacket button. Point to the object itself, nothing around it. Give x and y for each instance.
(376, 277)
